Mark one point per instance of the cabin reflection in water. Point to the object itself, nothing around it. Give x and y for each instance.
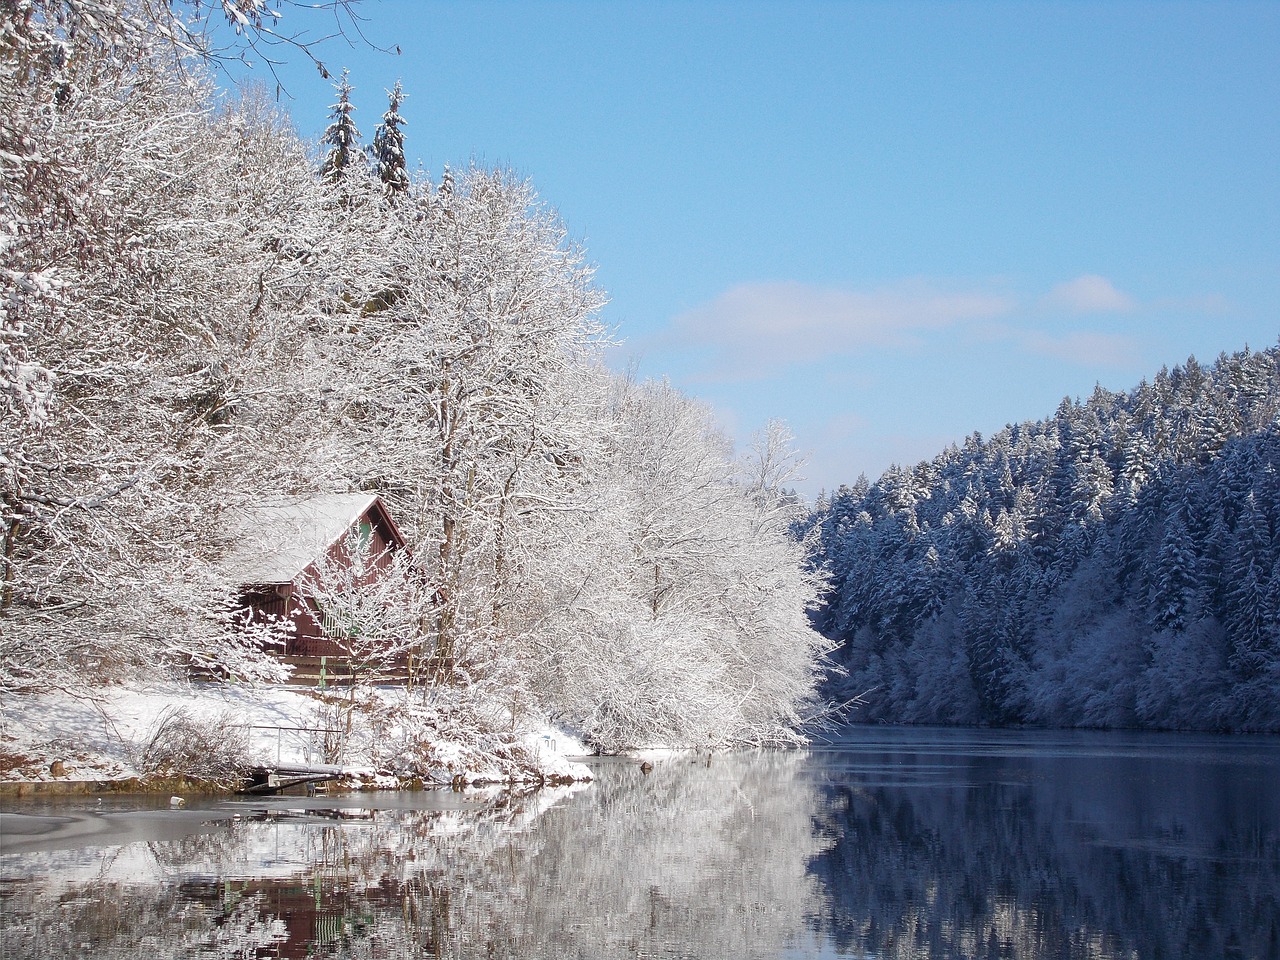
(305, 917)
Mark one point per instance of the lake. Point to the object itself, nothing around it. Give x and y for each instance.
(885, 842)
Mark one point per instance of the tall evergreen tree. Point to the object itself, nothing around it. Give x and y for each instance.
(388, 147)
(341, 136)
(1173, 588)
(1248, 619)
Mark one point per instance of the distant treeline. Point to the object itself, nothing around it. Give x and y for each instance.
(1113, 565)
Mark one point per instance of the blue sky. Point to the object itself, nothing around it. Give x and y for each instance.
(890, 224)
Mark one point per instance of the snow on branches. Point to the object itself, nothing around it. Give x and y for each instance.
(195, 319)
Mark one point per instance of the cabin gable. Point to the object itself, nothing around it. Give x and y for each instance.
(281, 549)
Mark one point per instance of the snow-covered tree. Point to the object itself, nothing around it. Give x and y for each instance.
(341, 138)
(454, 388)
(682, 608)
(1173, 588)
(1249, 616)
(387, 150)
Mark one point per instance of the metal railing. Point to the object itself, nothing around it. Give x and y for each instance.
(309, 743)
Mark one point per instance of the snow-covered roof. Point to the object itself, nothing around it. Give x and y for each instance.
(274, 541)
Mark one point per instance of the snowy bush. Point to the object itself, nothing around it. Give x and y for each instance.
(213, 748)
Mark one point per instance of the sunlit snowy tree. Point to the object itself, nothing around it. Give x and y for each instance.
(341, 137)
(387, 150)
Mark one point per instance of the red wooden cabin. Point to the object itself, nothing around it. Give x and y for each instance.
(282, 543)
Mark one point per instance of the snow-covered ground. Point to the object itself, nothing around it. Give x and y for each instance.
(381, 739)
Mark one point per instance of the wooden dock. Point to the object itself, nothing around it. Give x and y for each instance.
(279, 778)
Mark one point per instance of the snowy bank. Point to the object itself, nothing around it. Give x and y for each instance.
(374, 738)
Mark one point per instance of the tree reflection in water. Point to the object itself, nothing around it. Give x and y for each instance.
(956, 846)
(1149, 846)
(695, 859)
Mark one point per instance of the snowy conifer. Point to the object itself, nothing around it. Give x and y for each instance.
(388, 147)
(341, 136)
(1248, 617)
(1174, 587)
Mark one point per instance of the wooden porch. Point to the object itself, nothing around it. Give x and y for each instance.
(339, 671)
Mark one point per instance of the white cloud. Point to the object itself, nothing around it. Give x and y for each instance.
(758, 331)
(755, 329)
(1090, 293)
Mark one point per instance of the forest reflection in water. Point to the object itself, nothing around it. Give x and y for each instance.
(894, 843)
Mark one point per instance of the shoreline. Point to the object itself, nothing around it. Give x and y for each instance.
(197, 739)
(191, 786)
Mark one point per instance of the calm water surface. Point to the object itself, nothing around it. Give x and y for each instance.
(884, 843)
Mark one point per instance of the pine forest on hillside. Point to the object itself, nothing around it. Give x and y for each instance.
(201, 312)
(1116, 565)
